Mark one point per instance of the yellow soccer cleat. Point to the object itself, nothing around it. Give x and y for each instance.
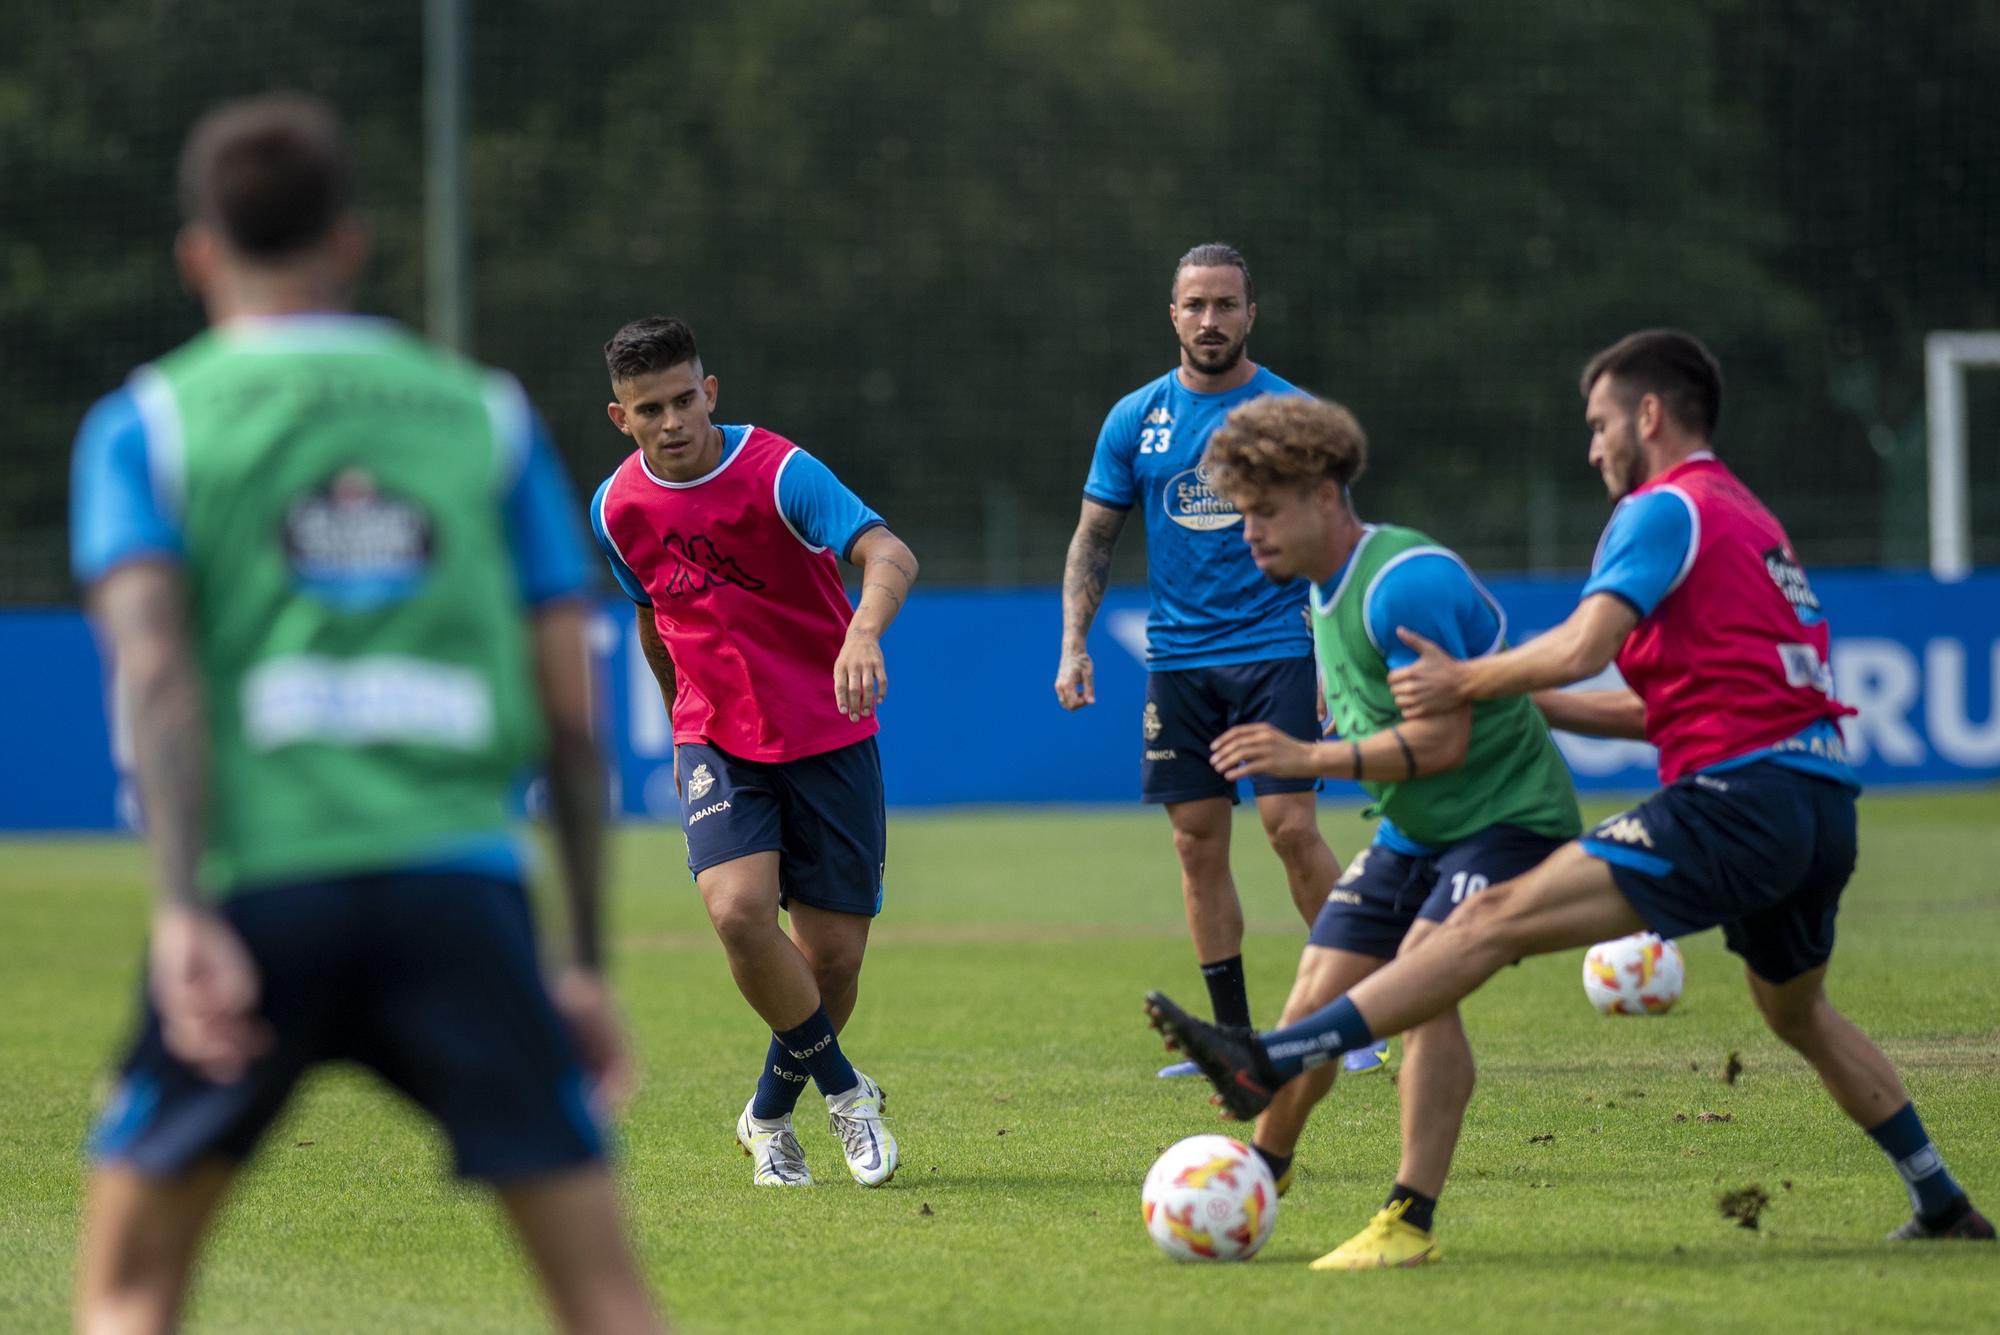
(1285, 1182)
(1387, 1243)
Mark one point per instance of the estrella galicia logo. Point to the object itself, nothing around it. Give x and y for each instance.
(1191, 502)
(695, 565)
(356, 546)
(1790, 577)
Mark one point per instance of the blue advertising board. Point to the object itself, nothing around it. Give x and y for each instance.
(971, 715)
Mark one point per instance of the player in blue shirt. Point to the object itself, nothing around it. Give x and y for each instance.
(1224, 645)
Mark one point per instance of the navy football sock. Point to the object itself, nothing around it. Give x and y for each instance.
(1422, 1209)
(1934, 1196)
(1227, 995)
(779, 1087)
(1278, 1163)
(813, 1046)
(1329, 1031)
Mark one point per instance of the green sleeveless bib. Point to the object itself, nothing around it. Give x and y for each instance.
(1512, 775)
(353, 603)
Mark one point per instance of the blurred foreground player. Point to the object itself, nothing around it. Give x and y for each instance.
(728, 539)
(1697, 595)
(341, 583)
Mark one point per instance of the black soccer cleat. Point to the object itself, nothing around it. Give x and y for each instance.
(1970, 1226)
(1232, 1059)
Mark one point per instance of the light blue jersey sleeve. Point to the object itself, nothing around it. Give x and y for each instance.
(1430, 591)
(1646, 549)
(627, 579)
(819, 507)
(550, 560)
(117, 513)
(1111, 482)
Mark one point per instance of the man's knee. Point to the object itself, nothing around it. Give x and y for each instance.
(839, 972)
(1202, 849)
(1494, 910)
(1796, 1020)
(741, 921)
(1294, 838)
(1441, 1039)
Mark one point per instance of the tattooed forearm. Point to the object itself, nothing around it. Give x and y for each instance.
(887, 589)
(1087, 571)
(142, 613)
(888, 570)
(907, 571)
(657, 657)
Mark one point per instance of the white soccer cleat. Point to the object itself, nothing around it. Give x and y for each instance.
(773, 1149)
(856, 1119)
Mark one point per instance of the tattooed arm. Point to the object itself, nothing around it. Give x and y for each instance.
(1085, 573)
(203, 980)
(141, 609)
(888, 569)
(657, 657)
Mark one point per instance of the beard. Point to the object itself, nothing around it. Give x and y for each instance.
(1215, 359)
(1629, 471)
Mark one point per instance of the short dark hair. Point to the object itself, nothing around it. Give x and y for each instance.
(1671, 364)
(271, 173)
(654, 343)
(1286, 441)
(1214, 255)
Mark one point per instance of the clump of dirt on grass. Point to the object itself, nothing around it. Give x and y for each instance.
(1745, 1205)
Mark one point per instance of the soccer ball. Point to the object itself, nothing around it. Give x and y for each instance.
(1210, 1198)
(1641, 974)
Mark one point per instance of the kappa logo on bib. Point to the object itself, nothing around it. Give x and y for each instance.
(1191, 502)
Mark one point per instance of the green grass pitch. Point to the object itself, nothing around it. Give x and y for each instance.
(1000, 1008)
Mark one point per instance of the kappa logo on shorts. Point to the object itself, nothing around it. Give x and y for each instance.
(699, 783)
(1150, 723)
(1625, 828)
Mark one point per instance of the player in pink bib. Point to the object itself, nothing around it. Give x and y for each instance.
(728, 538)
(1696, 594)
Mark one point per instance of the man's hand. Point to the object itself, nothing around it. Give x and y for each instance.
(584, 1001)
(206, 987)
(1076, 681)
(1260, 748)
(1434, 684)
(860, 677)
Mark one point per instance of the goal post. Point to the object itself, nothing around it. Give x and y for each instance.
(1947, 354)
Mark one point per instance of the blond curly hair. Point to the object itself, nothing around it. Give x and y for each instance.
(1286, 441)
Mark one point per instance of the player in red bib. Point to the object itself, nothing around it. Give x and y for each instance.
(1696, 594)
(728, 539)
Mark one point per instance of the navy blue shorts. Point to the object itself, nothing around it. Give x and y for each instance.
(429, 980)
(1383, 893)
(822, 814)
(1188, 709)
(1762, 852)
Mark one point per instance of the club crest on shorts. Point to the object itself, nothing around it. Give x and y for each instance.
(1150, 723)
(699, 783)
